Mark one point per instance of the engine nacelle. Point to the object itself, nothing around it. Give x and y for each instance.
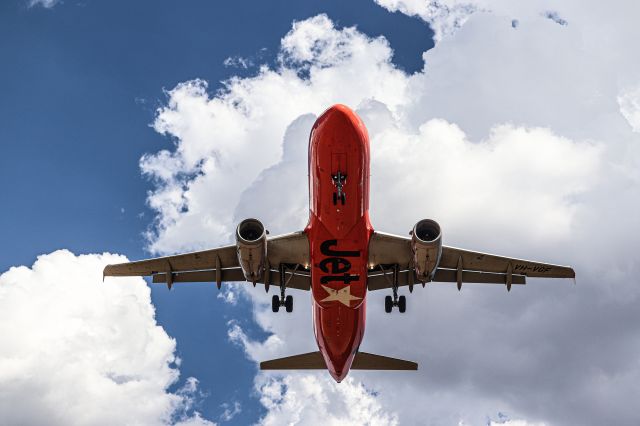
(426, 244)
(251, 243)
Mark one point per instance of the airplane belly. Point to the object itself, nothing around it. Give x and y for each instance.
(339, 232)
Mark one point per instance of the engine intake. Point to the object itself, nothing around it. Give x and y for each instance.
(426, 244)
(251, 243)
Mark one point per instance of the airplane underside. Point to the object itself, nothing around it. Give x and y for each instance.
(338, 256)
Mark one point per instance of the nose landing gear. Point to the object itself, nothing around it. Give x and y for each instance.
(339, 181)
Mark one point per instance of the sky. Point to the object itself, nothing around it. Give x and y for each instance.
(154, 128)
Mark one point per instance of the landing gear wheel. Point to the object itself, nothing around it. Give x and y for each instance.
(275, 303)
(388, 304)
(402, 304)
(343, 198)
(335, 198)
(288, 303)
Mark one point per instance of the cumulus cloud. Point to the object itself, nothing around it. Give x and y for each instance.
(224, 142)
(316, 399)
(525, 167)
(73, 348)
(444, 16)
(516, 141)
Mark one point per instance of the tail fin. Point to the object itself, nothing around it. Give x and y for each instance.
(314, 361)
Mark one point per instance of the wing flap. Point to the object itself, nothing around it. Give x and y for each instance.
(299, 280)
(450, 276)
(227, 275)
(378, 281)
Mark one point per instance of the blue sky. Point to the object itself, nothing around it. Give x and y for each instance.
(118, 136)
(81, 82)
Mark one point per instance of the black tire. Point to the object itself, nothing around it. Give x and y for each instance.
(343, 198)
(388, 304)
(335, 198)
(402, 304)
(288, 303)
(275, 303)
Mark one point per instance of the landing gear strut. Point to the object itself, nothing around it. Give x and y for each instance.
(399, 301)
(283, 299)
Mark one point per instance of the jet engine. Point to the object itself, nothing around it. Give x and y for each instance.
(251, 243)
(426, 244)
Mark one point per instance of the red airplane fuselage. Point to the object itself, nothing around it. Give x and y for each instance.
(339, 230)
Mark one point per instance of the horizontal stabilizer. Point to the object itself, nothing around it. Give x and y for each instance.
(365, 361)
(309, 361)
(314, 361)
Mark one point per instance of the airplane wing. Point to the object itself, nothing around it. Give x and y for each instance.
(221, 265)
(456, 265)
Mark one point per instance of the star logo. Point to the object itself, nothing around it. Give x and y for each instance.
(342, 295)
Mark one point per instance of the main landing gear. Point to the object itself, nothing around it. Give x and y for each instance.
(283, 299)
(400, 302)
(277, 301)
(395, 300)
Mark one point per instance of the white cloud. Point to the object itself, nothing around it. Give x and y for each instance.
(238, 62)
(513, 139)
(224, 142)
(230, 411)
(523, 169)
(48, 4)
(229, 293)
(444, 16)
(73, 348)
(629, 102)
(312, 399)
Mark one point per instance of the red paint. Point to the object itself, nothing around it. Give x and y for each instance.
(339, 142)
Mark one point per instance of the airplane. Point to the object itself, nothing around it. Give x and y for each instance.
(339, 256)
